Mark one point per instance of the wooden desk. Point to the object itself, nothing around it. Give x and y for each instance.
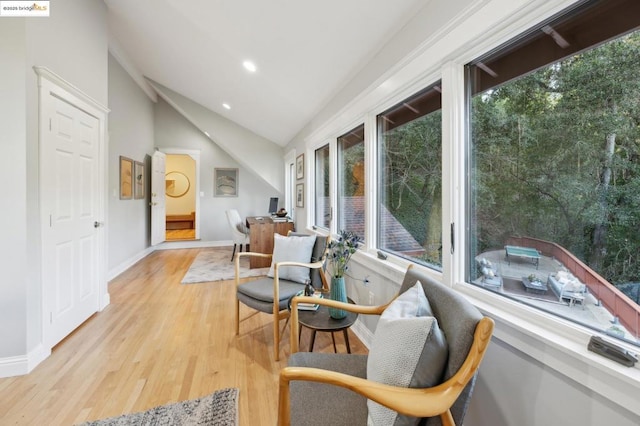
(261, 230)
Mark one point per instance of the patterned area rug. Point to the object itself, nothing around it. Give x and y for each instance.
(220, 409)
(215, 265)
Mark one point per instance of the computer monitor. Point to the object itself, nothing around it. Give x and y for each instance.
(273, 205)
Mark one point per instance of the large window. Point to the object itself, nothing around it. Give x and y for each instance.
(351, 185)
(322, 199)
(555, 168)
(410, 178)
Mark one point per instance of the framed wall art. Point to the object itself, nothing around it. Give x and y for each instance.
(126, 178)
(300, 195)
(225, 182)
(300, 166)
(139, 180)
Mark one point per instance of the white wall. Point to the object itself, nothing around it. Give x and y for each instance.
(172, 130)
(55, 43)
(13, 170)
(514, 388)
(253, 152)
(131, 134)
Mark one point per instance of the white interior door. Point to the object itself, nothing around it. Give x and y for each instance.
(158, 198)
(70, 188)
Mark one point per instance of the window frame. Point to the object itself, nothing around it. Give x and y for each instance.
(423, 90)
(564, 343)
(340, 172)
(552, 341)
(313, 184)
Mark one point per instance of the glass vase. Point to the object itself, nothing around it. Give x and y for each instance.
(339, 293)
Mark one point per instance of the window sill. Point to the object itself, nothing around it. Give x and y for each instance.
(556, 343)
(560, 345)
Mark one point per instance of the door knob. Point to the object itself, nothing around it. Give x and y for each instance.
(97, 224)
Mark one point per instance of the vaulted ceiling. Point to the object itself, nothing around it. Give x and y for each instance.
(304, 51)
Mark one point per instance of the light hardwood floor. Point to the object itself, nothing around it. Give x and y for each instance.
(180, 234)
(157, 342)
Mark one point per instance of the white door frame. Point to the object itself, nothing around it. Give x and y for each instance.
(195, 154)
(158, 198)
(49, 84)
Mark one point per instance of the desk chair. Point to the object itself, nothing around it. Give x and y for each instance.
(239, 231)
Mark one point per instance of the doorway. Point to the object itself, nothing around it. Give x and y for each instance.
(181, 190)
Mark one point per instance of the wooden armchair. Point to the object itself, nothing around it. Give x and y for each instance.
(271, 295)
(321, 388)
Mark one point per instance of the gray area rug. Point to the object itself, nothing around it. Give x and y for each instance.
(215, 265)
(220, 409)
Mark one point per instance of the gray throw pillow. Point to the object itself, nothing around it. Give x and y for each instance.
(408, 350)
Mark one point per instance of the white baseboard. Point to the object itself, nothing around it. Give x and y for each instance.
(364, 334)
(168, 245)
(23, 364)
(114, 272)
(106, 299)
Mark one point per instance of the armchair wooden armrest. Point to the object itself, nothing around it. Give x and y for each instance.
(276, 277)
(427, 402)
(247, 254)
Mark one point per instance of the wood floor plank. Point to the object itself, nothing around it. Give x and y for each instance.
(158, 342)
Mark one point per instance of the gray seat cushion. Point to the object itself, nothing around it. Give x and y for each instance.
(258, 294)
(339, 406)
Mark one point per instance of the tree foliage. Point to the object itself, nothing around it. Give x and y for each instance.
(412, 180)
(556, 158)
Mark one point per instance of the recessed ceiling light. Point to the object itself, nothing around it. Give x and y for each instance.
(250, 66)
(227, 106)
(207, 133)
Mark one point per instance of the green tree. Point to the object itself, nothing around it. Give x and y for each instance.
(556, 155)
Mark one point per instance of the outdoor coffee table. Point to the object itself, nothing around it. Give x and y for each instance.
(526, 252)
(535, 286)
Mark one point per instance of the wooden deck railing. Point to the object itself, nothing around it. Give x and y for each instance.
(614, 300)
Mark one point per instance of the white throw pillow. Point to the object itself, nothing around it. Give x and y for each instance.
(292, 249)
(408, 349)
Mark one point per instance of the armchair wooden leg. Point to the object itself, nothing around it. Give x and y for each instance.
(237, 316)
(276, 336)
(233, 253)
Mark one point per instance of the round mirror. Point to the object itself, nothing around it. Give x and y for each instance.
(176, 184)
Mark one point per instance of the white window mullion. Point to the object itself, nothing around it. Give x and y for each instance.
(453, 172)
(371, 182)
(333, 185)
